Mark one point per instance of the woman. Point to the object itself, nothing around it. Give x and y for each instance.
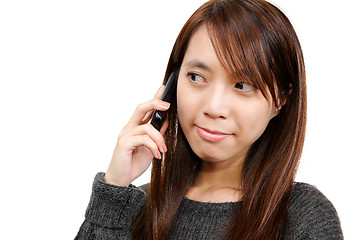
(231, 144)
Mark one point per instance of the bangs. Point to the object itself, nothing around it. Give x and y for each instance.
(239, 39)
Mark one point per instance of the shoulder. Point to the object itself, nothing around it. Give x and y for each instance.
(144, 187)
(312, 215)
(303, 193)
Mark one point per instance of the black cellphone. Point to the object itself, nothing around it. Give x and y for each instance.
(168, 95)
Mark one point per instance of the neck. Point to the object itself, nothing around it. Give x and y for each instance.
(217, 175)
(217, 182)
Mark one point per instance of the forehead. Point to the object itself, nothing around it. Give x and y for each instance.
(200, 53)
(200, 46)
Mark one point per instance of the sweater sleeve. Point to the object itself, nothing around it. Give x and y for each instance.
(111, 211)
(312, 215)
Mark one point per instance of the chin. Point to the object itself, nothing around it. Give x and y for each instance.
(219, 153)
(210, 155)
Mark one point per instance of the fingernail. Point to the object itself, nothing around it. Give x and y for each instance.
(164, 104)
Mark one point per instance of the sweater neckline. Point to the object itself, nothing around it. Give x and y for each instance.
(209, 203)
(204, 208)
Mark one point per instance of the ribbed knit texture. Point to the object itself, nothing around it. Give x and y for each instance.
(112, 210)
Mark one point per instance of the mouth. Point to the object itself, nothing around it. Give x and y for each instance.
(212, 136)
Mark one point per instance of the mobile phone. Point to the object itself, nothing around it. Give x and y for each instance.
(168, 95)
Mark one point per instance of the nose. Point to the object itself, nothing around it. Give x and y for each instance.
(217, 103)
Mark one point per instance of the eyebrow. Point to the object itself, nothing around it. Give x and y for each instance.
(198, 64)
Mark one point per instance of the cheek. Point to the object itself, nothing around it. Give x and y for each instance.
(252, 119)
(185, 106)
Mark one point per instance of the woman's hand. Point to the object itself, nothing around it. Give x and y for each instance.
(138, 143)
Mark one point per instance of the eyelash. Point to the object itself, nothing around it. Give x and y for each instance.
(191, 75)
(243, 85)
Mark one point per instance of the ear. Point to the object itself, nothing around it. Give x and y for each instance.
(276, 111)
(281, 101)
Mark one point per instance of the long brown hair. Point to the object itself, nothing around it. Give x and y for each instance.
(255, 42)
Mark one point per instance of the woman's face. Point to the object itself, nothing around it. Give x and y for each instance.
(220, 116)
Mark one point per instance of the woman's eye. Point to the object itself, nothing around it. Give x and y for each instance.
(196, 78)
(243, 86)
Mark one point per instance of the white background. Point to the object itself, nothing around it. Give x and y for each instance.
(72, 73)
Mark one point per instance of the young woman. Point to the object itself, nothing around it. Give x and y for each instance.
(230, 146)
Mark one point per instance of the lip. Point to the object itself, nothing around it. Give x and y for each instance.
(212, 136)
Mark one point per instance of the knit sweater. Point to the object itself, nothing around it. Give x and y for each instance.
(113, 209)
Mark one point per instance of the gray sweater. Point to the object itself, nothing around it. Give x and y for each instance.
(113, 209)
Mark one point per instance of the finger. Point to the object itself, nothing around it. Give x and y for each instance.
(147, 117)
(142, 110)
(164, 127)
(158, 95)
(146, 141)
(159, 92)
(162, 132)
(149, 130)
